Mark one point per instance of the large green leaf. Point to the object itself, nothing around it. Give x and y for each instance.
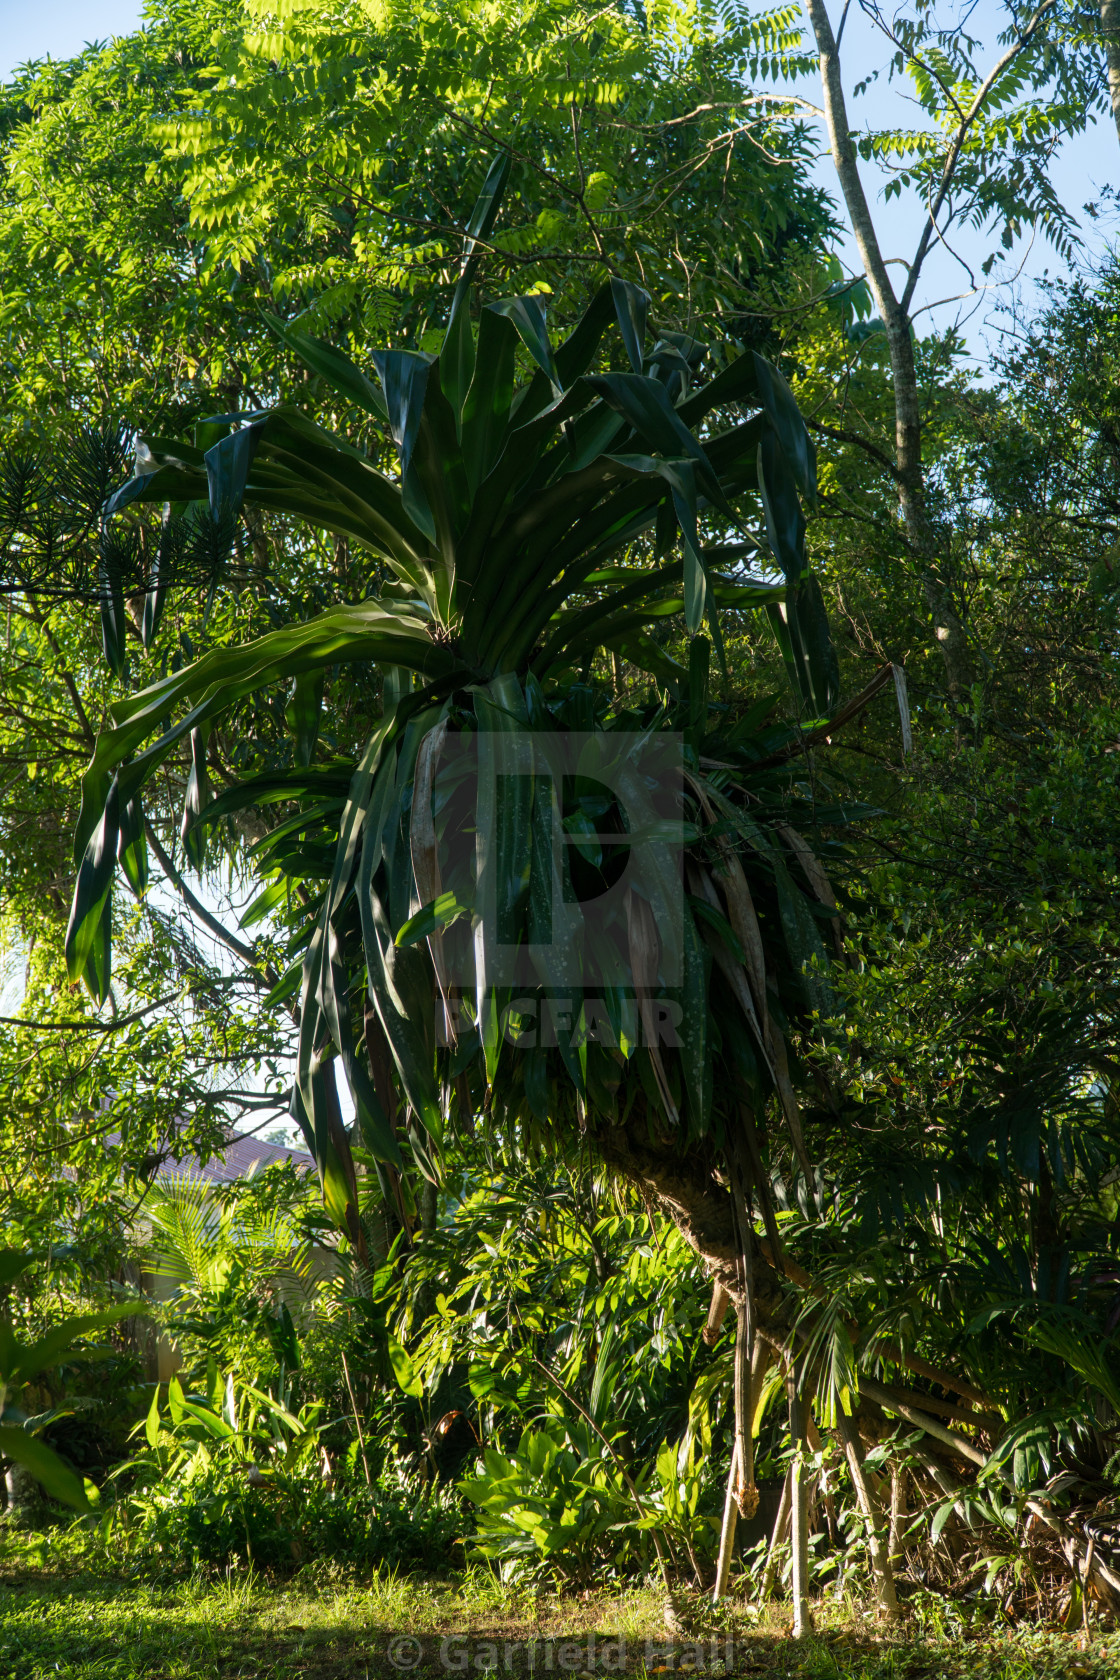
(370, 631)
(96, 864)
(296, 467)
(302, 713)
(23, 1362)
(331, 364)
(529, 316)
(228, 463)
(631, 305)
(785, 522)
(645, 405)
(680, 476)
(132, 847)
(781, 410)
(13, 1263)
(49, 1470)
(486, 409)
(457, 354)
(817, 668)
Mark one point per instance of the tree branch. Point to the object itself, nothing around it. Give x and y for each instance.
(967, 119)
(199, 910)
(840, 436)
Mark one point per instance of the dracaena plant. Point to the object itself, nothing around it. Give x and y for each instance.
(532, 523)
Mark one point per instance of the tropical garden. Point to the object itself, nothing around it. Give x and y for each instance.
(539, 679)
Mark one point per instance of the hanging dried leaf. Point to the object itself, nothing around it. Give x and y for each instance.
(819, 883)
(425, 858)
(645, 954)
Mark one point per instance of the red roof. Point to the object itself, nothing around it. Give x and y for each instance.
(243, 1155)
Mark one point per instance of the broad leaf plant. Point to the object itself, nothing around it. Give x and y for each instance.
(535, 524)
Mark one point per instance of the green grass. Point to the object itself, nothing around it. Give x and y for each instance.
(59, 1623)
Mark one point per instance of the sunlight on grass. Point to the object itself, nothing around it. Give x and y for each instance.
(63, 1624)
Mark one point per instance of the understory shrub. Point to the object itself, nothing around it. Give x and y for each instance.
(562, 1502)
(281, 1519)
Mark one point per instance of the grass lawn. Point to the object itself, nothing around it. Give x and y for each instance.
(58, 1621)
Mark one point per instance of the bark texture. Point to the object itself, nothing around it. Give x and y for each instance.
(909, 478)
(1110, 35)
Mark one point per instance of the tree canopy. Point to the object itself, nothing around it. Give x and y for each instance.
(390, 385)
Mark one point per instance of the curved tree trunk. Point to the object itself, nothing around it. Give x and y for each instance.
(1110, 35)
(945, 623)
(687, 1190)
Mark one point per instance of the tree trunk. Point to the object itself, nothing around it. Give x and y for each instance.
(727, 1532)
(882, 1573)
(777, 1539)
(21, 1492)
(1110, 35)
(895, 1551)
(799, 1519)
(947, 628)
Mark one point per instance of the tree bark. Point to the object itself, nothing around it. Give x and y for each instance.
(898, 1516)
(1110, 36)
(22, 1493)
(777, 1539)
(727, 1531)
(881, 1570)
(909, 477)
(799, 1518)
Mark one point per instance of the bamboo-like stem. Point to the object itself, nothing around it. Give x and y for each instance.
(799, 1546)
(727, 1531)
(357, 1423)
(741, 1487)
(777, 1539)
(746, 1494)
(799, 1519)
(1085, 1585)
(898, 1515)
(881, 1571)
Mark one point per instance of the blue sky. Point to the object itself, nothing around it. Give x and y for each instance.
(59, 28)
(35, 28)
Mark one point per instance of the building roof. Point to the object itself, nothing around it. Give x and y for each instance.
(242, 1156)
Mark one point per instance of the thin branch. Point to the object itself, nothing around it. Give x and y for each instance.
(199, 910)
(967, 119)
(861, 442)
(89, 1026)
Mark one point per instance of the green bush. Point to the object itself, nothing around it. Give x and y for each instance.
(563, 1503)
(280, 1519)
(231, 1474)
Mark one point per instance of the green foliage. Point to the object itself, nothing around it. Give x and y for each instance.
(287, 1520)
(536, 1288)
(337, 141)
(22, 1364)
(108, 303)
(540, 523)
(495, 540)
(235, 1476)
(570, 1334)
(557, 1500)
(243, 1268)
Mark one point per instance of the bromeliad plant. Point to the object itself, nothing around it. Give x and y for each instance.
(531, 526)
